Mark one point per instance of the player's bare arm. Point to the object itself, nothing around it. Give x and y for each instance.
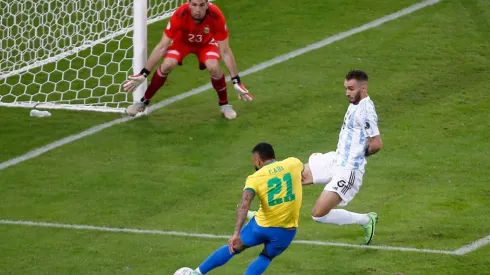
(227, 56)
(306, 177)
(229, 60)
(235, 244)
(157, 54)
(247, 197)
(374, 145)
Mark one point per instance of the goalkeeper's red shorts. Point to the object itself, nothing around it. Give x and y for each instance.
(180, 50)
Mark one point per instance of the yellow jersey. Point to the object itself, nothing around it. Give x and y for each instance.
(278, 187)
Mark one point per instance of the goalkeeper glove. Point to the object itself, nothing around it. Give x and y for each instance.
(135, 80)
(240, 89)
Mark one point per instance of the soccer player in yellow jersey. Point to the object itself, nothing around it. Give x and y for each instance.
(277, 184)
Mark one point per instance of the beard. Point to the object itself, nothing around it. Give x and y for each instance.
(356, 98)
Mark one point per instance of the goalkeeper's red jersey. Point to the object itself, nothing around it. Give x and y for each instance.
(182, 27)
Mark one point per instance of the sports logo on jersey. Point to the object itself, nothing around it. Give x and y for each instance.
(225, 26)
(206, 30)
(367, 126)
(341, 183)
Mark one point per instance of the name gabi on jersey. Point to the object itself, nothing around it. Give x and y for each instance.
(276, 170)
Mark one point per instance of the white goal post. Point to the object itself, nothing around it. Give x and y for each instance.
(75, 54)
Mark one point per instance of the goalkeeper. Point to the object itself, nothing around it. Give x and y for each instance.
(196, 27)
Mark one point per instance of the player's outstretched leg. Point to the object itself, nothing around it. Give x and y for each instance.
(219, 84)
(323, 212)
(279, 240)
(220, 257)
(157, 81)
(259, 266)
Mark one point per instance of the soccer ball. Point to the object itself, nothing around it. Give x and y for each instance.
(183, 271)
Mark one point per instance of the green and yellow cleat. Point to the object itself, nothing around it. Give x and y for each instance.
(251, 214)
(370, 228)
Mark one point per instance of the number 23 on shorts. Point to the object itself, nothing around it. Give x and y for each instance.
(195, 38)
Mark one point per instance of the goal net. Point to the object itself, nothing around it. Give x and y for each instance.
(74, 54)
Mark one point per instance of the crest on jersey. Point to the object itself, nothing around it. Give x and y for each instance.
(367, 126)
(206, 30)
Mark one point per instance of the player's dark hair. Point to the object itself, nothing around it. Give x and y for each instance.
(358, 75)
(265, 151)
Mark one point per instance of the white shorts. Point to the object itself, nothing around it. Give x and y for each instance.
(344, 182)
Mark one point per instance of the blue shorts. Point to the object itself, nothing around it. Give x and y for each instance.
(275, 239)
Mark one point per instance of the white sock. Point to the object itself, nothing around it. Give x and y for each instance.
(342, 217)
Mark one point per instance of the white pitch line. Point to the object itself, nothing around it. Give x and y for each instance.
(259, 67)
(210, 236)
(473, 246)
(113, 229)
(41, 150)
(378, 247)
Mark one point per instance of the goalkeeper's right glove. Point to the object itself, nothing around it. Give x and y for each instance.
(240, 89)
(135, 80)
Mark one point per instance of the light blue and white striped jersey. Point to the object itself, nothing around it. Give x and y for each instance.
(360, 122)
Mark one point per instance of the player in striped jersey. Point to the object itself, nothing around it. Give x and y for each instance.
(342, 170)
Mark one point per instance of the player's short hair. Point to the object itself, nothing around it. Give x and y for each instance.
(265, 151)
(356, 74)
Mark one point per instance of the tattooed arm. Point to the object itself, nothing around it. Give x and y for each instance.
(234, 244)
(247, 197)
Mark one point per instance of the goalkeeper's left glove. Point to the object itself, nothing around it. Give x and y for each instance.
(240, 89)
(135, 80)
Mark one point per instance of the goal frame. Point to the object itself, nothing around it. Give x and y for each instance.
(139, 58)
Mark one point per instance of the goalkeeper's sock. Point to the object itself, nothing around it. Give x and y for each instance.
(219, 85)
(156, 83)
(220, 257)
(342, 217)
